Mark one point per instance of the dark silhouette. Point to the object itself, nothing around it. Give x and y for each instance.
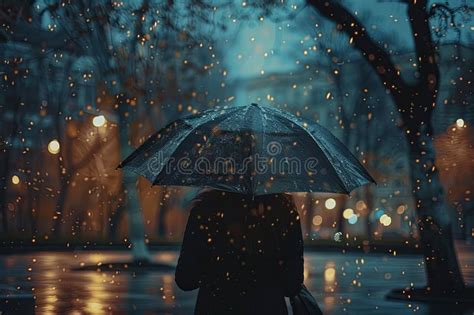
(244, 254)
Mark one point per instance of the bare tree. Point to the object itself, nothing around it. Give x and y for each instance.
(137, 49)
(415, 103)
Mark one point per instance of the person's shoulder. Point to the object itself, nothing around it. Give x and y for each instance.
(203, 202)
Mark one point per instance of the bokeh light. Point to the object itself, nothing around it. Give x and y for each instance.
(330, 203)
(353, 219)
(317, 220)
(360, 205)
(348, 213)
(401, 209)
(379, 213)
(15, 180)
(330, 274)
(54, 146)
(99, 121)
(385, 220)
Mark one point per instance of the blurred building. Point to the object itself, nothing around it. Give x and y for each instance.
(349, 101)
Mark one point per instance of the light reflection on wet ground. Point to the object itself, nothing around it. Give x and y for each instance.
(351, 283)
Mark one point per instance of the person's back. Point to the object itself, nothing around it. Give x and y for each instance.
(243, 254)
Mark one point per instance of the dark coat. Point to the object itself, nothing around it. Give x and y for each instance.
(245, 255)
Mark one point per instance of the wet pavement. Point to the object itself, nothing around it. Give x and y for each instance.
(350, 283)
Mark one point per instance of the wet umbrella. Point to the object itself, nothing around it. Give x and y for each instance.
(252, 149)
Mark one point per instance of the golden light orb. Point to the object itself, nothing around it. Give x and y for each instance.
(360, 205)
(99, 121)
(385, 220)
(401, 209)
(330, 274)
(54, 146)
(317, 220)
(15, 180)
(348, 213)
(330, 203)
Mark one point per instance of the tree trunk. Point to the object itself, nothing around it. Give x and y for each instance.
(7, 150)
(369, 203)
(60, 202)
(116, 214)
(433, 219)
(164, 204)
(136, 227)
(340, 223)
(309, 204)
(3, 190)
(33, 210)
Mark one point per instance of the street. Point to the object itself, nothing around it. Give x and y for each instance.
(350, 283)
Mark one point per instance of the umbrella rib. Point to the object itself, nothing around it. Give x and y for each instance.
(320, 129)
(148, 144)
(323, 148)
(316, 141)
(223, 116)
(354, 161)
(251, 179)
(263, 118)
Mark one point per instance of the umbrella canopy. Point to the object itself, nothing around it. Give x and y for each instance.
(252, 149)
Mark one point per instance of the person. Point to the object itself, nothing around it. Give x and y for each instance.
(244, 254)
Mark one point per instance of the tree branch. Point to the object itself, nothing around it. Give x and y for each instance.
(418, 17)
(22, 31)
(375, 54)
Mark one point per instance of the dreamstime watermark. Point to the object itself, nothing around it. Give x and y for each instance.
(272, 162)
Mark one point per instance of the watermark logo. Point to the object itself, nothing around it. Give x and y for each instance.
(274, 148)
(271, 162)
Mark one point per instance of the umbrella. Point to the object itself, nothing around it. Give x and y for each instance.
(252, 149)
